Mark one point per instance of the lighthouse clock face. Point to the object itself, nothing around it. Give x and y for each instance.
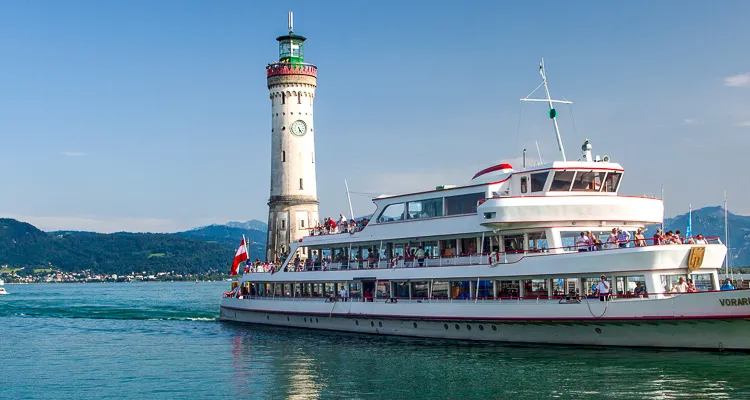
(298, 128)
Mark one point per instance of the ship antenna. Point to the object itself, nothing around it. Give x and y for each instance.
(291, 22)
(552, 111)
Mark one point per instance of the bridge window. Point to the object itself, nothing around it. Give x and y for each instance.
(537, 241)
(562, 181)
(589, 181)
(393, 212)
(513, 243)
(524, 184)
(612, 181)
(462, 204)
(538, 180)
(429, 208)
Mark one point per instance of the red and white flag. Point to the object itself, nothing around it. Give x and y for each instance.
(239, 257)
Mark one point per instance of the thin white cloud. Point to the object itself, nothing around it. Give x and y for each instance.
(740, 80)
(743, 124)
(74, 154)
(689, 121)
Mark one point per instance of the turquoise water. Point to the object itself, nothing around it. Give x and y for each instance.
(163, 340)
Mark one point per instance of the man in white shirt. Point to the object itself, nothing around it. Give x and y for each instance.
(583, 242)
(602, 289)
(680, 287)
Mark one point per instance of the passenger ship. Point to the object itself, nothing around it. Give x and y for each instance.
(501, 263)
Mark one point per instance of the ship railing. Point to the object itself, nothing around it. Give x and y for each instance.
(487, 258)
(535, 298)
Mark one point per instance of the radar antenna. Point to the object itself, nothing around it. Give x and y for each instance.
(291, 22)
(552, 111)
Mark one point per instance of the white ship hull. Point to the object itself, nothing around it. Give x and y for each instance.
(660, 323)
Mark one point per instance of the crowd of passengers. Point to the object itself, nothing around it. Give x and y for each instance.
(331, 226)
(619, 237)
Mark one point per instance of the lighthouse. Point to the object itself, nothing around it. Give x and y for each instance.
(293, 204)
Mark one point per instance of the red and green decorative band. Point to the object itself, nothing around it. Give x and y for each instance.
(291, 69)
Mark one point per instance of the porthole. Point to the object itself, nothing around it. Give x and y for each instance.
(380, 324)
(283, 128)
(494, 328)
(283, 113)
(372, 324)
(415, 325)
(446, 326)
(598, 330)
(458, 328)
(481, 327)
(468, 327)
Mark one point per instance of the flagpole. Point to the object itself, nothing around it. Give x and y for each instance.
(247, 248)
(349, 198)
(726, 235)
(664, 209)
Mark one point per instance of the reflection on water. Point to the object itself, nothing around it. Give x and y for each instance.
(306, 364)
(163, 341)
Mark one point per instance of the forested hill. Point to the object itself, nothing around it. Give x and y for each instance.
(195, 251)
(709, 221)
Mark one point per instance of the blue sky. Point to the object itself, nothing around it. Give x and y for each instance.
(154, 116)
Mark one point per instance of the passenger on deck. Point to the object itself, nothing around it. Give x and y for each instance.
(658, 237)
(602, 289)
(677, 238)
(596, 244)
(612, 239)
(699, 239)
(420, 256)
(583, 242)
(623, 237)
(344, 294)
(640, 290)
(680, 287)
(691, 286)
(640, 240)
(727, 285)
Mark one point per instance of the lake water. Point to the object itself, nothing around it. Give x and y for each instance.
(163, 340)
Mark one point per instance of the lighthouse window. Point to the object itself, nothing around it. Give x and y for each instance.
(299, 98)
(283, 98)
(301, 187)
(589, 181)
(283, 156)
(394, 212)
(562, 181)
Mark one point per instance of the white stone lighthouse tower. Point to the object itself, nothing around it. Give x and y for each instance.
(293, 205)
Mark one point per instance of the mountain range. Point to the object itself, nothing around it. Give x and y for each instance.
(212, 247)
(200, 250)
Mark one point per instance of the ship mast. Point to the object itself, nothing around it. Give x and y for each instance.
(550, 102)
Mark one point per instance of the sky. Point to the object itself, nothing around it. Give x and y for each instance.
(154, 116)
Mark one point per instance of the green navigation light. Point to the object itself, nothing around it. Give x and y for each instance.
(552, 113)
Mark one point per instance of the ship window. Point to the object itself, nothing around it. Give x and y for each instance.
(460, 290)
(302, 223)
(562, 181)
(299, 98)
(402, 289)
(590, 181)
(393, 212)
(703, 282)
(524, 184)
(507, 289)
(535, 288)
(419, 290)
(429, 208)
(538, 180)
(283, 98)
(463, 204)
(612, 181)
(513, 243)
(440, 290)
(301, 187)
(283, 156)
(537, 241)
(568, 240)
(283, 224)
